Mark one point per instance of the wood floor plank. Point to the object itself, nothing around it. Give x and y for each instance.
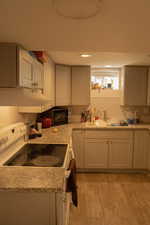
(112, 199)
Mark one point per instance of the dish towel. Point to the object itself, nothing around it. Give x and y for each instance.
(72, 182)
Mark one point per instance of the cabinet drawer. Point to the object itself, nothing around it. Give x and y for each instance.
(121, 134)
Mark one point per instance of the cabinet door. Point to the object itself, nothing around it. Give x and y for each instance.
(25, 69)
(135, 85)
(38, 74)
(49, 81)
(120, 154)
(63, 201)
(96, 153)
(78, 148)
(27, 208)
(63, 85)
(8, 65)
(141, 146)
(81, 85)
(66, 208)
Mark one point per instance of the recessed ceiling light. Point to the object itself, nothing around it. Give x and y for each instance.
(108, 66)
(85, 55)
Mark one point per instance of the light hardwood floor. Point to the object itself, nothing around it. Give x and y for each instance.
(112, 199)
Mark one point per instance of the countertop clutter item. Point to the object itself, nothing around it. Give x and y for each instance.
(33, 132)
(46, 122)
(58, 115)
(41, 56)
(39, 126)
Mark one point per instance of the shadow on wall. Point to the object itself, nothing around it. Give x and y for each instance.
(10, 114)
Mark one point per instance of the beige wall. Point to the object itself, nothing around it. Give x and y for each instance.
(9, 115)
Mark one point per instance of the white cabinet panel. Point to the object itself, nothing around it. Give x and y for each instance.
(135, 85)
(26, 208)
(78, 147)
(120, 154)
(81, 85)
(63, 85)
(141, 149)
(8, 68)
(63, 201)
(25, 69)
(49, 81)
(38, 75)
(96, 153)
(109, 134)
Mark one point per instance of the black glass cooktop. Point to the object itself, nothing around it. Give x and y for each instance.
(39, 155)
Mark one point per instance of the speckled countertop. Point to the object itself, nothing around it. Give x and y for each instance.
(42, 178)
(31, 179)
(63, 134)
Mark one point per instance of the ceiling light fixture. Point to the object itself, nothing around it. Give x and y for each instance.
(108, 66)
(77, 9)
(85, 55)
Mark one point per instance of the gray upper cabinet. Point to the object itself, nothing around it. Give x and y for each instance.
(81, 85)
(63, 85)
(134, 85)
(72, 85)
(8, 66)
(18, 68)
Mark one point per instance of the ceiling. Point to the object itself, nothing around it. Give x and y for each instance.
(118, 35)
(101, 59)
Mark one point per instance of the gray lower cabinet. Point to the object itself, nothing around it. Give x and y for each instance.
(120, 154)
(78, 147)
(30, 208)
(111, 149)
(108, 153)
(96, 153)
(141, 149)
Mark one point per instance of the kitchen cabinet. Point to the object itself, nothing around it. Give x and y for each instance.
(72, 85)
(38, 75)
(120, 153)
(108, 153)
(103, 149)
(26, 63)
(78, 147)
(96, 153)
(49, 81)
(19, 68)
(141, 147)
(63, 85)
(63, 201)
(134, 85)
(43, 208)
(80, 85)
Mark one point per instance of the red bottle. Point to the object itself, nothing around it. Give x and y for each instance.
(46, 122)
